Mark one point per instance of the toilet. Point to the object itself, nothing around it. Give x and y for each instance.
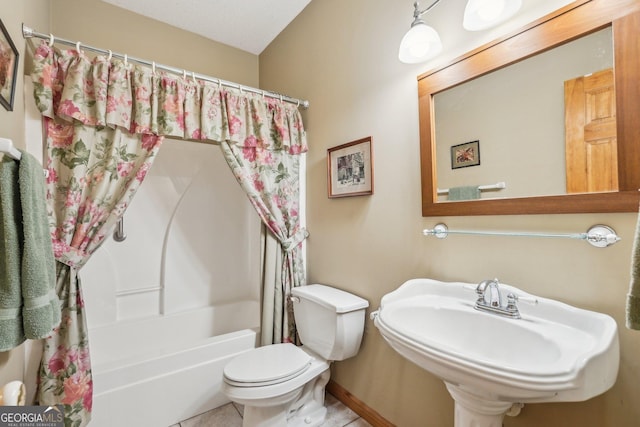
(283, 384)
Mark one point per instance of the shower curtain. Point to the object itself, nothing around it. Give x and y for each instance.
(104, 121)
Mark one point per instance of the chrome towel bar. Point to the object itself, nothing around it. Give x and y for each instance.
(599, 235)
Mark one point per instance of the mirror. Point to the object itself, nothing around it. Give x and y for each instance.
(517, 115)
(525, 50)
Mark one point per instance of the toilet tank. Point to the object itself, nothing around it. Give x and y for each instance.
(330, 321)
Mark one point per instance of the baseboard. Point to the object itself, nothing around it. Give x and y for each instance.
(357, 405)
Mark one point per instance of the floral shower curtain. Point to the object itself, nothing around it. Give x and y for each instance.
(104, 122)
(95, 165)
(268, 170)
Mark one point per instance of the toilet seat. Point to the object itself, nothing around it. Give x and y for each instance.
(268, 365)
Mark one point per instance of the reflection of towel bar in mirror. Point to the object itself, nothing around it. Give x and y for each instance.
(496, 186)
(599, 235)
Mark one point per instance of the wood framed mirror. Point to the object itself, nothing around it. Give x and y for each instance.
(569, 23)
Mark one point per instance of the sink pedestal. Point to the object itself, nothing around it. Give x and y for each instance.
(472, 410)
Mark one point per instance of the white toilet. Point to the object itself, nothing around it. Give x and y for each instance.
(282, 384)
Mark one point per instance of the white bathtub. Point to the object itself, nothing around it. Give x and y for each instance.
(158, 371)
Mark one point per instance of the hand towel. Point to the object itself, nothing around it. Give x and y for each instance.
(11, 331)
(29, 306)
(464, 193)
(633, 297)
(41, 307)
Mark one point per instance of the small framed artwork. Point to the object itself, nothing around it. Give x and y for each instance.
(465, 155)
(8, 68)
(350, 169)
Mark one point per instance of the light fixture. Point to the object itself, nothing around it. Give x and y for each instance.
(482, 14)
(422, 42)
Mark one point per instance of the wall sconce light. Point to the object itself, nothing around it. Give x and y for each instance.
(422, 42)
(482, 14)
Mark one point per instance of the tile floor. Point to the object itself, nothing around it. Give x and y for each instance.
(230, 415)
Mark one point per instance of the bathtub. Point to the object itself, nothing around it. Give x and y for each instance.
(173, 364)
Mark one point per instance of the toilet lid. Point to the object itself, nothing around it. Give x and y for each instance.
(271, 364)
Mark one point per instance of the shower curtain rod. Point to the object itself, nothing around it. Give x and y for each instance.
(28, 32)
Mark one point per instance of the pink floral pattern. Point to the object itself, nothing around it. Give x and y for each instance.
(269, 174)
(104, 122)
(94, 172)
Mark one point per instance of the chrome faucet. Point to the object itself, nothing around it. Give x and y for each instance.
(490, 299)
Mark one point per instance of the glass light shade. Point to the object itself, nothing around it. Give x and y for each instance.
(482, 14)
(420, 44)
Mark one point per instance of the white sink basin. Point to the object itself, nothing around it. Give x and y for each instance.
(554, 352)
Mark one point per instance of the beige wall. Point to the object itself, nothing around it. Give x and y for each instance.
(101, 25)
(342, 56)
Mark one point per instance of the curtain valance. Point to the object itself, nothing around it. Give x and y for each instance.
(110, 92)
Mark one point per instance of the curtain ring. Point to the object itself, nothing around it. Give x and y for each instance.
(193, 76)
(52, 40)
(153, 67)
(78, 47)
(125, 59)
(110, 55)
(298, 103)
(280, 97)
(219, 84)
(184, 74)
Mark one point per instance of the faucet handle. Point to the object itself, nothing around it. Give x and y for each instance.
(528, 300)
(511, 307)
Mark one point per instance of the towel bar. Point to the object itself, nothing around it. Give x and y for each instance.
(497, 186)
(6, 147)
(599, 235)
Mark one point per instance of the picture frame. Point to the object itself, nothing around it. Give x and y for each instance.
(350, 169)
(465, 155)
(8, 68)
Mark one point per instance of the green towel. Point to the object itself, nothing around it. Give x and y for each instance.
(633, 297)
(29, 306)
(464, 193)
(41, 307)
(11, 331)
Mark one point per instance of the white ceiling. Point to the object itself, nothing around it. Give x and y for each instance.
(248, 25)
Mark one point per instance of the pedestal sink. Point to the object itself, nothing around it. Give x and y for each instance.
(492, 364)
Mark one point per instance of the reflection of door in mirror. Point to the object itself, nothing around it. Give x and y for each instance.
(518, 115)
(590, 133)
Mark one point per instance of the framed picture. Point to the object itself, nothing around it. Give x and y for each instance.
(464, 155)
(350, 169)
(8, 68)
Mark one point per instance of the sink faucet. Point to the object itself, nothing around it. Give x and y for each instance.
(490, 299)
